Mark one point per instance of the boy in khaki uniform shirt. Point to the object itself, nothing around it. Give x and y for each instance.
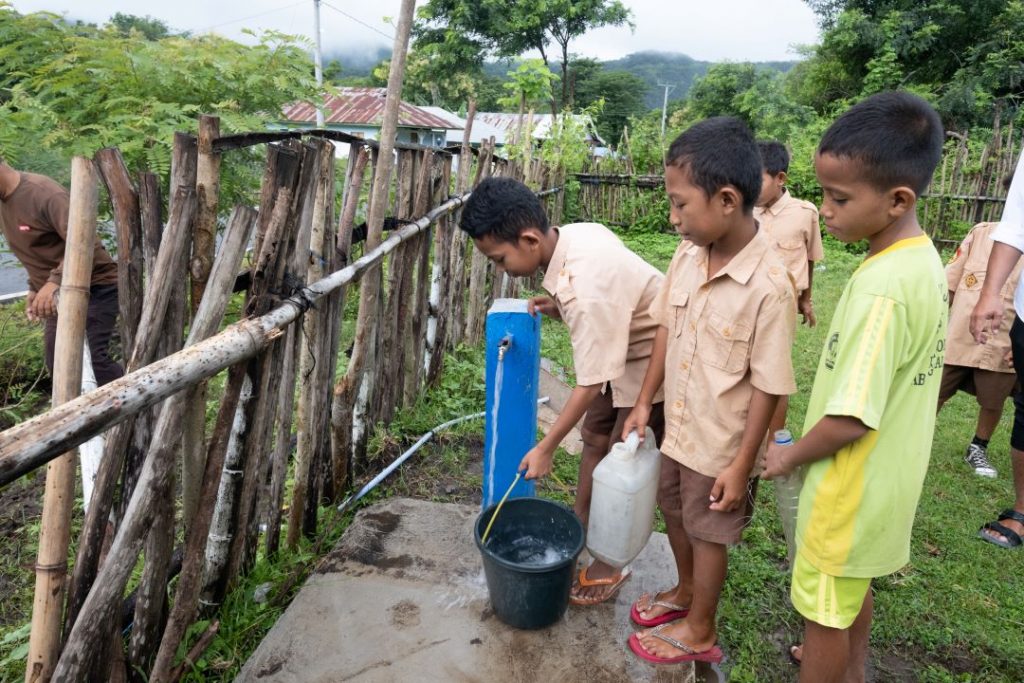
(983, 370)
(727, 316)
(602, 291)
(792, 227)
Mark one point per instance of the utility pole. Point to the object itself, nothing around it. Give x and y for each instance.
(318, 66)
(664, 106)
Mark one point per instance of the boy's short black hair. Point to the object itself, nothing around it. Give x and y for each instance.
(896, 137)
(717, 152)
(502, 208)
(774, 156)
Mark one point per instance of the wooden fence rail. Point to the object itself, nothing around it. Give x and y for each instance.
(280, 376)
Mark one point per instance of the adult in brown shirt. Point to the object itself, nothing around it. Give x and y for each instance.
(34, 220)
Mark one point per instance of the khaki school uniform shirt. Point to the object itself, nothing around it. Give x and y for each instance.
(965, 275)
(34, 220)
(726, 337)
(603, 292)
(792, 227)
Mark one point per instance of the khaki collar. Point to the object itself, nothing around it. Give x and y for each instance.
(557, 263)
(741, 267)
(782, 202)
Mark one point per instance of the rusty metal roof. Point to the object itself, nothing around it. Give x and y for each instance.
(363, 106)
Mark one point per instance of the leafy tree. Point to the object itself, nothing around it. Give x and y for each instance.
(621, 92)
(71, 90)
(528, 85)
(467, 31)
(150, 27)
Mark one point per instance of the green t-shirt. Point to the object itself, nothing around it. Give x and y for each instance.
(882, 364)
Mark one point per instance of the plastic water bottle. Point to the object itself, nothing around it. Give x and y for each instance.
(623, 500)
(787, 496)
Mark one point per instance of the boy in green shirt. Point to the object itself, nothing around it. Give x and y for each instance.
(868, 431)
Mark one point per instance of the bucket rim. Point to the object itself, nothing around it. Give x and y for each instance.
(524, 568)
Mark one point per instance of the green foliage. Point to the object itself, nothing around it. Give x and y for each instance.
(528, 85)
(151, 28)
(621, 93)
(73, 90)
(464, 32)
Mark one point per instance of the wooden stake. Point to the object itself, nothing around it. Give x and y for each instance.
(55, 529)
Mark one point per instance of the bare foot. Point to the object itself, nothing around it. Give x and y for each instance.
(796, 653)
(592, 595)
(680, 630)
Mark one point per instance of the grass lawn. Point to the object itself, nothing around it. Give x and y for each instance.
(955, 613)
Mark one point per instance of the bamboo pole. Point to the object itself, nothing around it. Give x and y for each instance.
(341, 408)
(457, 291)
(124, 201)
(311, 352)
(366, 323)
(55, 529)
(204, 236)
(282, 444)
(478, 270)
(439, 305)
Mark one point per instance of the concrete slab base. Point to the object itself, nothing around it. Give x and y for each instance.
(403, 598)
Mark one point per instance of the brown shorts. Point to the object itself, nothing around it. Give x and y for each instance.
(603, 423)
(684, 495)
(989, 387)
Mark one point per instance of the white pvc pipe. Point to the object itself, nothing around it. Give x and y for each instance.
(372, 484)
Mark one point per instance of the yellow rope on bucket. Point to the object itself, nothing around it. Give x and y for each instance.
(483, 539)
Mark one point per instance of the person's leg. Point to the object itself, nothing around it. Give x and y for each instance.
(100, 321)
(49, 341)
(826, 653)
(697, 629)
(670, 503)
(598, 431)
(860, 634)
(1016, 435)
(988, 420)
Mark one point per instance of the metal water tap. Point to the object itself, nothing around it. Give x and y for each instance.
(503, 347)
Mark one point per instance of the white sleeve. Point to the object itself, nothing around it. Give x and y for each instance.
(1011, 228)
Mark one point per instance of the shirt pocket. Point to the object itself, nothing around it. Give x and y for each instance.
(726, 343)
(678, 301)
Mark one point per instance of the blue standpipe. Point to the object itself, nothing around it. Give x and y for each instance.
(513, 378)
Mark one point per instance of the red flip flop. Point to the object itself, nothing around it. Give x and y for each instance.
(713, 655)
(674, 613)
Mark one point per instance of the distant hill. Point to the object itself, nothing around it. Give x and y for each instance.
(673, 68)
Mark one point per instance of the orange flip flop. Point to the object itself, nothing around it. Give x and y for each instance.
(615, 582)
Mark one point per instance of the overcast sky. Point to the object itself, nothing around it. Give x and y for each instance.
(737, 30)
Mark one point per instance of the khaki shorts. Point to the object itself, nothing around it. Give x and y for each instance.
(832, 601)
(991, 388)
(684, 495)
(603, 423)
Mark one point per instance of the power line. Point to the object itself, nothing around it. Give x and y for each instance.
(253, 16)
(357, 20)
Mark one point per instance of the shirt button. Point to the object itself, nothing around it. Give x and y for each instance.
(685, 365)
(679, 405)
(693, 327)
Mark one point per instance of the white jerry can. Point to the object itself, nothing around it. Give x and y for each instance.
(623, 500)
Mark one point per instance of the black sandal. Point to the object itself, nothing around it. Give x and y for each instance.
(1012, 538)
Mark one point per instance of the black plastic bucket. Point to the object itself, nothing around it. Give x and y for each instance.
(530, 560)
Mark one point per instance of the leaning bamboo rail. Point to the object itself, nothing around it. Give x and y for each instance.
(55, 531)
(33, 443)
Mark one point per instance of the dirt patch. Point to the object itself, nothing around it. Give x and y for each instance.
(404, 614)
(21, 506)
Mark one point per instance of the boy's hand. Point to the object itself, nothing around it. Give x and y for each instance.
(637, 421)
(774, 464)
(729, 491)
(806, 308)
(537, 462)
(32, 317)
(1008, 357)
(986, 317)
(544, 305)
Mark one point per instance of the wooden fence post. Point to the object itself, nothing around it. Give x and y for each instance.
(457, 292)
(55, 529)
